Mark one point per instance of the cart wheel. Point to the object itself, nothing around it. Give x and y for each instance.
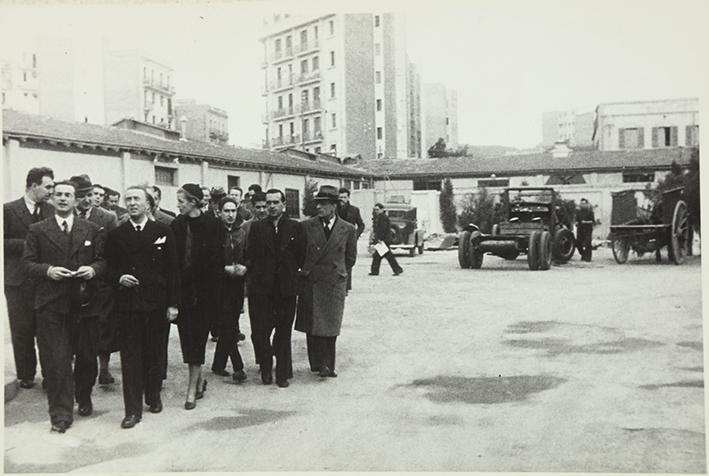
(621, 249)
(563, 245)
(464, 249)
(545, 251)
(533, 250)
(476, 256)
(680, 233)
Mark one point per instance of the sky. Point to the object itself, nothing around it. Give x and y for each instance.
(509, 61)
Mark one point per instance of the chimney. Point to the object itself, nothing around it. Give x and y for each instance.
(183, 128)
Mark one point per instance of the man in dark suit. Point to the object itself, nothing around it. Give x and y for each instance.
(381, 233)
(86, 199)
(18, 215)
(274, 253)
(158, 197)
(64, 253)
(142, 266)
(331, 249)
(111, 203)
(350, 214)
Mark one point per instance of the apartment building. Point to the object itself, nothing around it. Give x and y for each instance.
(440, 111)
(567, 126)
(651, 124)
(202, 122)
(339, 84)
(137, 87)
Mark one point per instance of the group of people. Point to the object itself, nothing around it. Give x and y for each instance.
(89, 278)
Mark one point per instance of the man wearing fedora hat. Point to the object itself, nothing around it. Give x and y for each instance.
(330, 251)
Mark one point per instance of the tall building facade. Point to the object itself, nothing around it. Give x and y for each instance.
(440, 111)
(567, 126)
(339, 84)
(137, 87)
(202, 122)
(647, 124)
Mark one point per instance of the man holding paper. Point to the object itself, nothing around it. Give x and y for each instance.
(381, 239)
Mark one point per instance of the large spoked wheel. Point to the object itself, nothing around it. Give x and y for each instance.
(545, 251)
(680, 233)
(464, 249)
(533, 250)
(621, 249)
(476, 256)
(563, 245)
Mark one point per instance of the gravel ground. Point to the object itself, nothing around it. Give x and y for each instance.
(586, 367)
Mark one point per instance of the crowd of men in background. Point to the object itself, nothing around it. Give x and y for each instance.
(88, 277)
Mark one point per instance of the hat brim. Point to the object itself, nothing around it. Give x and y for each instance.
(326, 199)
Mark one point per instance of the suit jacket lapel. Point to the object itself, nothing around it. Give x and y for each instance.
(334, 233)
(78, 235)
(22, 212)
(54, 234)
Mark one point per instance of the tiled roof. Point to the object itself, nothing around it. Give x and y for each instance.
(531, 164)
(29, 126)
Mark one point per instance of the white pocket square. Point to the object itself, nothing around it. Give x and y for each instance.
(160, 240)
(87, 243)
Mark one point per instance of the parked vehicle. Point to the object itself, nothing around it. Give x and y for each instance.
(534, 227)
(404, 228)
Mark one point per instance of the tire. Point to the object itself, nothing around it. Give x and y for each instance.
(533, 250)
(495, 230)
(621, 250)
(563, 245)
(476, 256)
(679, 233)
(545, 251)
(412, 251)
(464, 249)
(420, 249)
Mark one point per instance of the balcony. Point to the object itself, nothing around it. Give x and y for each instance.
(309, 77)
(284, 112)
(283, 83)
(160, 87)
(265, 144)
(285, 141)
(219, 136)
(310, 45)
(314, 136)
(311, 106)
(282, 55)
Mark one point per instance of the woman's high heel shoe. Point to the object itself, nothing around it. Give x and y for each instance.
(200, 392)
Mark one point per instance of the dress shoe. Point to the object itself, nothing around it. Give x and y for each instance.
(86, 408)
(239, 376)
(201, 389)
(61, 426)
(397, 273)
(26, 383)
(221, 372)
(325, 371)
(240, 337)
(266, 377)
(130, 421)
(105, 378)
(282, 383)
(332, 374)
(156, 408)
(190, 405)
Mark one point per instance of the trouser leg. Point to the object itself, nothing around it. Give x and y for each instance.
(392, 262)
(261, 310)
(285, 314)
(376, 262)
(152, 357)
(85, 363)
(349, 279)
(21, 314)
(165, 343)
(312, 356)
(55, 353)
(132, 365)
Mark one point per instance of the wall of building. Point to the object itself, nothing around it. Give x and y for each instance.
(55, 76)
(122, 82)
(391, 54)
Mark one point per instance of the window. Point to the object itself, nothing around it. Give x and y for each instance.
(332, 58)
(153, 118)
(334, 120)
(152, 97)
(377, 49)
(24, 77)
(332, 27)
(304, 67)
(304, 98)
(290, 74)
(692, 136)
(291, 127)
(165, 176)
(160, 79)
(304, 39)
(152, 76)
(161, 100)
(333, 149)
(278, 75)
(494, 183)
(379, 133)
(427, 185)
(635, 177)
(232, 181)
(379, 104)
(318, 149)
(278, 46)
(306, 128)
(332, 90)
(280, 102)
(565, 179)
(145, 72)
(290, 102)
(316, 94)
(34, 60)
(289, 45)
(316, 63)
(376, 20)
(631, 138)
(315, 32)
(316, 125)
(3, 97)
(145, 97)
(356, 185)
(664, 136)
(292, 203)
(378, 77)
(280, 131)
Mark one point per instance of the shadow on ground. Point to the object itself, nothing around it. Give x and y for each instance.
(246, 418)
(485, 390)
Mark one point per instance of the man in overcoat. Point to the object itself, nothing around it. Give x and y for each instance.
(273, 256)
(18, 215)
(106, 221)
(64, 253)
(585, 220)
(381, 232)
(330, 250)
(351, 214)
(142, 267)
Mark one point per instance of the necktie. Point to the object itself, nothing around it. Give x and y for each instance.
(137, 227)
(35, 214)
(65, 227)
(82, 214)
(326, 227)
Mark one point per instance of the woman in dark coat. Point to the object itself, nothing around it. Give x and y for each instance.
(196, 235)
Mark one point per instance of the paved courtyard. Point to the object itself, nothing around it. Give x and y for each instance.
(585, 367)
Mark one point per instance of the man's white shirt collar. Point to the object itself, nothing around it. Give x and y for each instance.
(69, 221)
(30, 204)
(141, 224)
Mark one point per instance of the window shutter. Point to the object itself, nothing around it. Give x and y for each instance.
(621, 138)
(641, 137)
(654, 137)
(673, 136)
